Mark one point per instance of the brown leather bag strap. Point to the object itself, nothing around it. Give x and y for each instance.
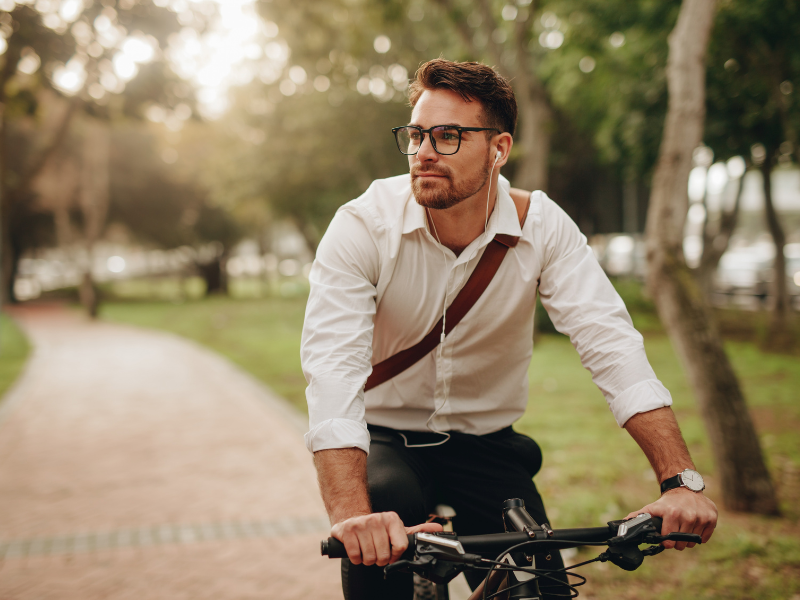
(476, 284)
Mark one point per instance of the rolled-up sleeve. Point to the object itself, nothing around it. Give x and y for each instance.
(336, 345)
(584, 305)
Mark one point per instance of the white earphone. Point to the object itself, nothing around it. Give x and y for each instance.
(497, 156)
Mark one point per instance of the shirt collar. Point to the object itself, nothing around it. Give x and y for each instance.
(504, 218)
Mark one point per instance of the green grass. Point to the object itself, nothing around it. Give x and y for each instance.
(592, 470)
(14, 350)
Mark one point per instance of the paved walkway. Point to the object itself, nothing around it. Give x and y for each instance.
(135, 464)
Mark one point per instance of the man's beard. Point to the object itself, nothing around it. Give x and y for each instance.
(442, 193)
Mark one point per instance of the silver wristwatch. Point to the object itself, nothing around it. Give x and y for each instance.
(688, 478)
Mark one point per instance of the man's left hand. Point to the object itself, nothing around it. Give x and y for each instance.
(684, 511)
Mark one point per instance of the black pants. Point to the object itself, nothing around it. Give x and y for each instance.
(473, 474)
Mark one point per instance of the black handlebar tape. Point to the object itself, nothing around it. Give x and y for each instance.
(333, 548)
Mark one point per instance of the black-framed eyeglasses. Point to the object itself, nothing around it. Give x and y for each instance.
(445, 139)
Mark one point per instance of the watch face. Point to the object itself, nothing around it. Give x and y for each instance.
(693, 480)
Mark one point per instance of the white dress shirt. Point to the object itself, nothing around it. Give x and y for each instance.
(378, 286)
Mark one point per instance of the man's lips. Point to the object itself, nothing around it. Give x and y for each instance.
(428, 174)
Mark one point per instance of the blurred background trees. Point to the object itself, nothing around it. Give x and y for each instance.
(232, 94)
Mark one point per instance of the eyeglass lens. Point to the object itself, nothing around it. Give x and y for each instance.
(445, 139)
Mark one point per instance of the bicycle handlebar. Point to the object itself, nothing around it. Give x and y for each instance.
(333, 548)
(491, 545)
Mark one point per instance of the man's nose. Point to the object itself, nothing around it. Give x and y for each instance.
(426, 150)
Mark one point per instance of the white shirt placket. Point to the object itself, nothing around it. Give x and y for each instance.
(456, 278)
(444, 362)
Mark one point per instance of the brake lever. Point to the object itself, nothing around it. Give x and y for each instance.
(653, 550)
(675, 536)
(409, 566)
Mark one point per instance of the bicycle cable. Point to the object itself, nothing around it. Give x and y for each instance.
(540, 572)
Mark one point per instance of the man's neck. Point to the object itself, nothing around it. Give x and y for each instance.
(458, 226)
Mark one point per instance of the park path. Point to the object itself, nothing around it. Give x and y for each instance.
(135, 464)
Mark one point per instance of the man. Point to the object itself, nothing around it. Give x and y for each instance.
(440, 431)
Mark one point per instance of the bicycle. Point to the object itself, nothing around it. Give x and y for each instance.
(440, 557)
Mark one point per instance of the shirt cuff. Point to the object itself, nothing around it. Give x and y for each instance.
(338, 433)
(643, 397)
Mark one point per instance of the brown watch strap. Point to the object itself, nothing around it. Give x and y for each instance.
(476, 284)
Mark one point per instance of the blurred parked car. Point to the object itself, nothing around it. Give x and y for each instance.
(743, 271)
(749, 270)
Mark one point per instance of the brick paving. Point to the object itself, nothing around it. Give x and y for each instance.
(135, 464)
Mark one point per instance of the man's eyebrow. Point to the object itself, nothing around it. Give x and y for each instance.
(437, 125)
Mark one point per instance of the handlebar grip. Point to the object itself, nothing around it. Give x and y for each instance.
(333, 548)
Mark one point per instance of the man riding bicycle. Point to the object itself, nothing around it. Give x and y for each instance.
(438, 430)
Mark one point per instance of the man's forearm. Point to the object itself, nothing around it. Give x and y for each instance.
(659, 437)
(342, 475)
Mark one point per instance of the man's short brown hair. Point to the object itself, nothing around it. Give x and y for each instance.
(472, 81)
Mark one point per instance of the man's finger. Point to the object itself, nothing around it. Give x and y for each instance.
(367, 543)
(668, 525)
(383, 549)
(351, 545)
(399, 539)
(686, 523)
(426, 527)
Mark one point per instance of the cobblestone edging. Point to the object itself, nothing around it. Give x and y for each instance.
(159, 535)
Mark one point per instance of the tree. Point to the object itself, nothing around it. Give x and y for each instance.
(745, 481)
(315, 158)
(86, 53)
(166, 206)
(753, 61)
(717, 233)
(28, 43)
(500, 34)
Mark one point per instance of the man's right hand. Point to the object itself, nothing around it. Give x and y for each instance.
(376, 538)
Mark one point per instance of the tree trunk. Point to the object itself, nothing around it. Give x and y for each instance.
(715, 243)
(745, 482)
(18, 190)
(213, 273)
(88, 296)
(534, 138)
(535, 113)
(630, 202)
(8, 258)
(93, 200)
(780, 333)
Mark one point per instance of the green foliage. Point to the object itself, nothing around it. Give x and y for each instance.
(159, 205)
(621, 102)
(753, 77)
(315, 157)
(14, 351)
